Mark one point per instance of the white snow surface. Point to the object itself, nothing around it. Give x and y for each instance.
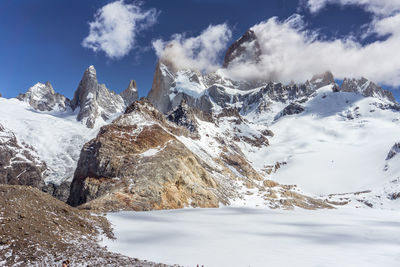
(57, 137)
(337, 145)
(259, 237)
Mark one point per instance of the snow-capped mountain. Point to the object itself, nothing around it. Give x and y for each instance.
(95, 101)
(42, 97)
(205, 140)
(55, 129)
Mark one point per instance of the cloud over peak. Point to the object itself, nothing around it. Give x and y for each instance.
(201, 52)
(115, 28)
(290, 52)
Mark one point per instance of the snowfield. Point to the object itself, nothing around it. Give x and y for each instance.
(57, 137)
(259, 237)
(339, 144)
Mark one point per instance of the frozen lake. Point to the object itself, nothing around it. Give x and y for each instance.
(259, 237)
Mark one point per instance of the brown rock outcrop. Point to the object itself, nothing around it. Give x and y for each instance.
(136, 164)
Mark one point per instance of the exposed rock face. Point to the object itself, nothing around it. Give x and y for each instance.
(136, 164)
(322, 79)
(130, 94)
(366, 88)
(206, 92)
(163, 80)
(94, 100)
(143, 162)
(393, 151)
(292, 108)
(42, 97)
(18, 163)
(39, 230)
(246, 49)
(182, 116)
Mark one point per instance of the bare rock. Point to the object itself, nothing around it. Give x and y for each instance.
(42, 97)
(130, 94)
(40, 230)
(94, 100)
(136, 164)
(366, 88)
(19, 164)
(246, 49)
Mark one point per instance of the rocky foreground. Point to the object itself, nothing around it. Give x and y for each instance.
(39, 230)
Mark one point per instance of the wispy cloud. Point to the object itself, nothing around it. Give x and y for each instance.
(378, 7)
(115, 28)
(201, 52)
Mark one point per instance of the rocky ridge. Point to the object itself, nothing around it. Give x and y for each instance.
(91, 99)
(19, 163)
(42, 97)
(142, 161)
(38, 230)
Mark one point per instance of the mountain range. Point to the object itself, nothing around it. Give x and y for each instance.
(206, 140)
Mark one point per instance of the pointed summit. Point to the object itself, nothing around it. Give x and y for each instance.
(42, 97)
(94, 100)
(130, 94)
(246, 49)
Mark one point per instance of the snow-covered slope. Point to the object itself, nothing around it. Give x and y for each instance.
(57, 137)
(337, 145)
(57, 128)
(327, 139)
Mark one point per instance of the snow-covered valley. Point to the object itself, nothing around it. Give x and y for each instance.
(254, 237)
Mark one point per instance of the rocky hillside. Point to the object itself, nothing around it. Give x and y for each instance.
(19, 163)
(142, 161)
(38, 230)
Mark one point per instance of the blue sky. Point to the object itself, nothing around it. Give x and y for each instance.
(42, 40)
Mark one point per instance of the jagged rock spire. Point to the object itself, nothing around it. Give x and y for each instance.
(130, 94)
(95, 101)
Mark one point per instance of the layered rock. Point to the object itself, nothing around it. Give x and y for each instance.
(19, 164)
(42, 97)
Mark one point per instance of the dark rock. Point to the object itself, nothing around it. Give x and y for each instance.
(291, 109)
(183, 117)
(393, 151)
(18, 165)
(246, 49)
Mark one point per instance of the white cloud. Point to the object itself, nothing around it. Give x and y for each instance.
(289, 52)
(378, 7)
(201, 52)
(116, 26)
